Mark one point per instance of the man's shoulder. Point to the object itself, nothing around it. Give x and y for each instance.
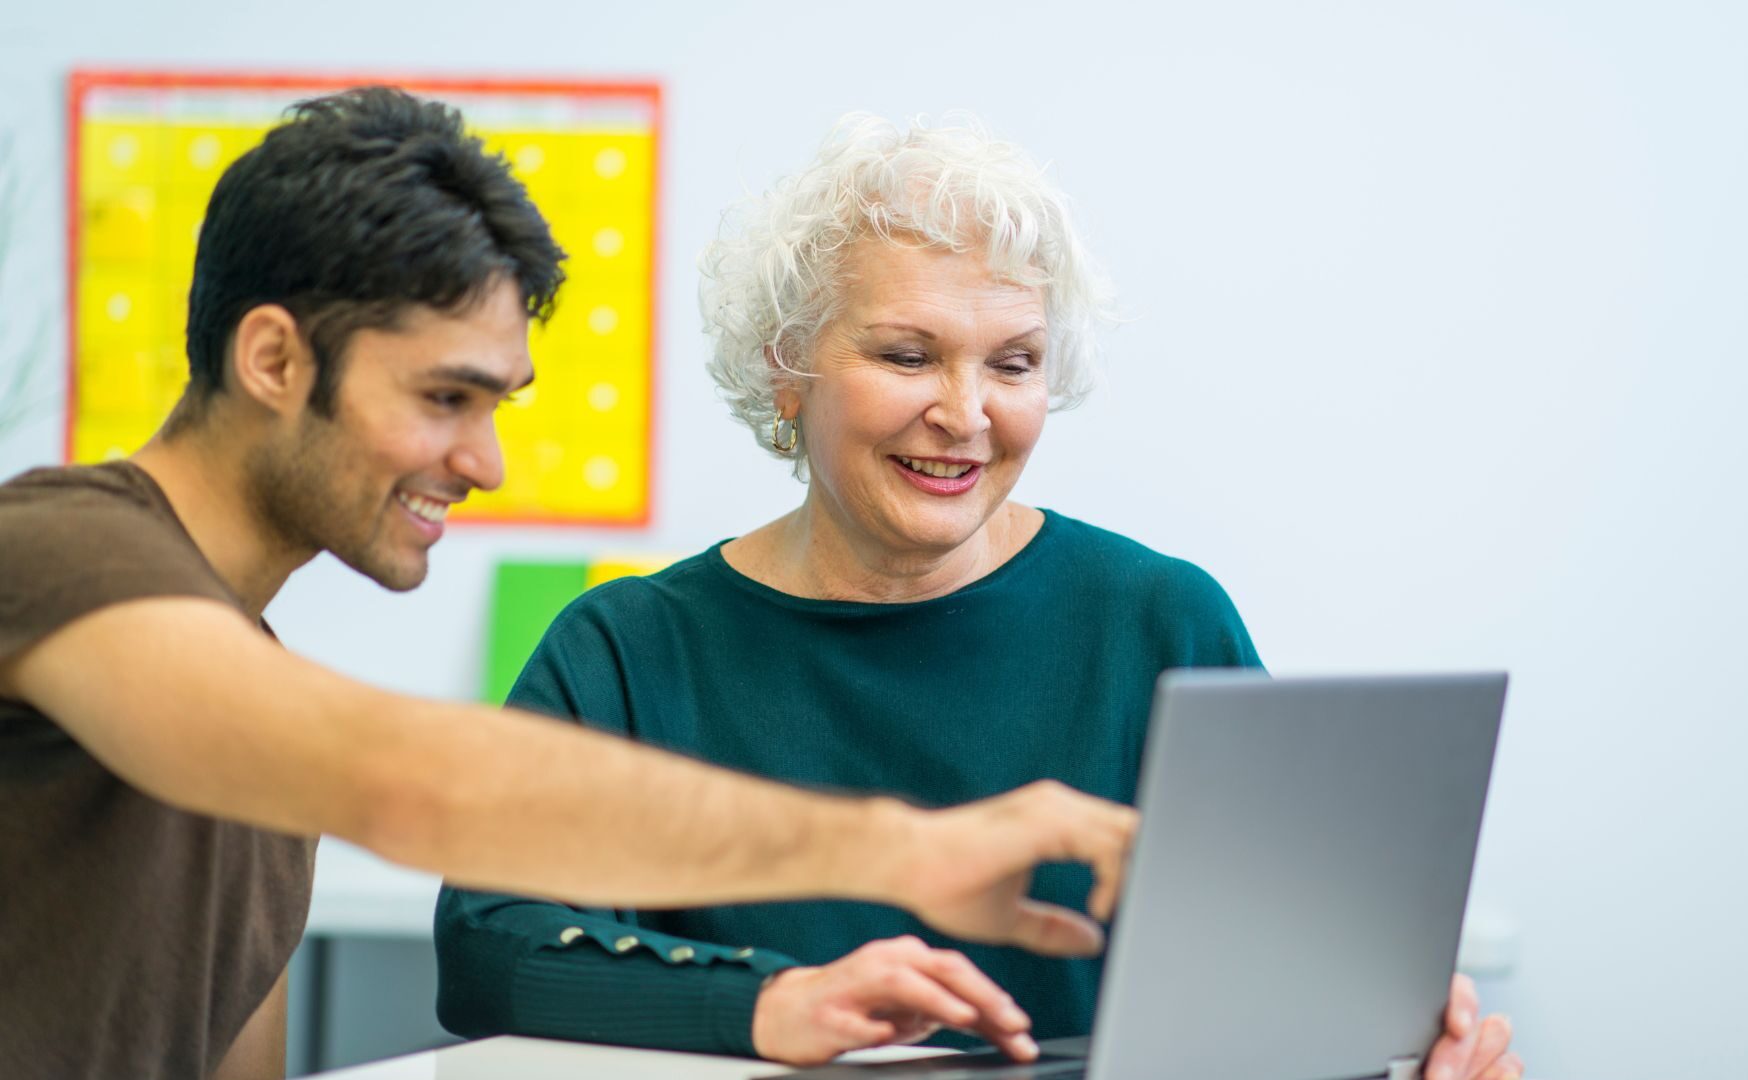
(98, 515)
(84, 537)
(113, 484)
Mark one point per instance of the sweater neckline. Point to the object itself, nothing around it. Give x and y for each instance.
(1021, 559)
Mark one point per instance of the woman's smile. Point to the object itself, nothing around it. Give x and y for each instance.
(938, 477)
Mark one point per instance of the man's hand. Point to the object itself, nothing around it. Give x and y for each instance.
(1469, 1050)
(893, 991)
(967, 870)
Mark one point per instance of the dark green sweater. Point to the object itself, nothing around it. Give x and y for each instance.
(1044, 668)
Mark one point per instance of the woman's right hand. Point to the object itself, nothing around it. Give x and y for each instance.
(894, 991)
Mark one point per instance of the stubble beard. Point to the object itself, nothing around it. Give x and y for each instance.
(296, 490)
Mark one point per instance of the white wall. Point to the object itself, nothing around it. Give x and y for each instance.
(1437, 345)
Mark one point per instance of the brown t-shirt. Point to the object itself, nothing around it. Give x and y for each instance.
(135, 939)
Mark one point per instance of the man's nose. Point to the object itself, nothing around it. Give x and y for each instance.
(479, 458)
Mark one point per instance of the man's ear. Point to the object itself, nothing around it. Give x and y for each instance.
(270, 360)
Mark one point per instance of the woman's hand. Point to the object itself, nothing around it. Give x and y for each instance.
(893, 991)
(1469, 1050)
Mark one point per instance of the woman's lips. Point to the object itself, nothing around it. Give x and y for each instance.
(939, 485)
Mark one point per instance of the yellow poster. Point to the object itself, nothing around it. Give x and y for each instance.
(147, 150)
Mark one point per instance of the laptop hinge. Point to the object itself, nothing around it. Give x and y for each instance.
(1403, 1068)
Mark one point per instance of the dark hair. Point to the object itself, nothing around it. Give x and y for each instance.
(358, 206)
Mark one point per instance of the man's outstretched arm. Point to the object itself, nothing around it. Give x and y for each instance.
(190, 703)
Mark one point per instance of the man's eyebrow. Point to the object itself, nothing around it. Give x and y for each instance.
(472, 376)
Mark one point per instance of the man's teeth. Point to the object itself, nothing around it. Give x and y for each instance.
(935, 468)
(429, 509)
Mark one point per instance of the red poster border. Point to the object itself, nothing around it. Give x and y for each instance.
(82, 81)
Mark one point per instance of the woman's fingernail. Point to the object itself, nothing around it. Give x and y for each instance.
(1012, 1017)
(1025, 1046)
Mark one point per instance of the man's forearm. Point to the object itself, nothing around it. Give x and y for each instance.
(516, 802)
(189, 703)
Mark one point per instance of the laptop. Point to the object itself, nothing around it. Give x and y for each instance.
(1296, 892)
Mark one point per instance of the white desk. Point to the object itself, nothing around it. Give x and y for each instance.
(539, 1059)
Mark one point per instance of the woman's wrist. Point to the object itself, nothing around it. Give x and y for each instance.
(768, 1010)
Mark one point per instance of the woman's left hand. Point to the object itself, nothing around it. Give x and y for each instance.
(1472, 1048)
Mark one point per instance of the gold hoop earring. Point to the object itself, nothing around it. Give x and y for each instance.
(777, 442)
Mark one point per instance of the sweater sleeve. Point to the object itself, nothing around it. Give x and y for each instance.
(518, 966)
(507, 965)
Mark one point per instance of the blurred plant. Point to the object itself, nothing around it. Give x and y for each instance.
(24, 335)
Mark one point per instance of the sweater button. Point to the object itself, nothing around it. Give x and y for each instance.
(682, 953)
(569, 934)
(625, 944)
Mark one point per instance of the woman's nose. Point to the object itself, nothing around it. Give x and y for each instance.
(958, 409)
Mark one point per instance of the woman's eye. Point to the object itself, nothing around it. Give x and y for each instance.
(1018, 364)
(905, 359)
(447, 399)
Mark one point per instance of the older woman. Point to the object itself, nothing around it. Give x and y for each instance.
(896, 322)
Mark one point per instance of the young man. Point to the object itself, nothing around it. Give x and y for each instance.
(362, 294)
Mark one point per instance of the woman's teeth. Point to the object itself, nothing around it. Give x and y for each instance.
(935, 468)
(429, 509)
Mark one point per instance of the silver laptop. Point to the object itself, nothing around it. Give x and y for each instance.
(1296, 893)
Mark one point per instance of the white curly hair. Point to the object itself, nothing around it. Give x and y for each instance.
(770, 281)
